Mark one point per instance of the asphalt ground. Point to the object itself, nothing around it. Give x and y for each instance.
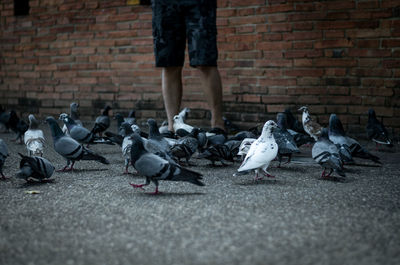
(93, 215)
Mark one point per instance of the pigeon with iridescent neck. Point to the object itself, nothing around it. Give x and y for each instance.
(154, 168)
(69, 148)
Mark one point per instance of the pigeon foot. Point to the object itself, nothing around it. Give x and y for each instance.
(140, 186)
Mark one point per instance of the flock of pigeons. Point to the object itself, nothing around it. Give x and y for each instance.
(158, 154)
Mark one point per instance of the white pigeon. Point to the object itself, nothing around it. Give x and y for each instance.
(180, 124)
(262, 151)
(245, 146)
(311, 127)
(34, 138)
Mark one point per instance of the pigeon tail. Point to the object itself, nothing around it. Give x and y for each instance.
(90, 155)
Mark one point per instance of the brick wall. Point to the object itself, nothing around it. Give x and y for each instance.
(334, 56)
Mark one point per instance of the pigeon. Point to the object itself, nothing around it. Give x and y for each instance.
(347, 144)
(311, 127)
(376, 131)
(131, 119)
(156, 143)
(326, 153)
(186, 146)
(3, 155)
(102, 122)
(245, 147)
(293, 123)
(34, 137)
(74, 114)
(231, 128)
(69, 148)
(17, 125)
(83, 135)
(233, 146)
(35, 168)
(286, 144)
(164, 127)
(154, 168)
(218, 152)
(4, 119)
(180, 124)
(262, 151)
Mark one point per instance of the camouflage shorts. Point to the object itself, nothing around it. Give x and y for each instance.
(174, 22)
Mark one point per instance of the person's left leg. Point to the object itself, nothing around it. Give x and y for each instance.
(212, 87)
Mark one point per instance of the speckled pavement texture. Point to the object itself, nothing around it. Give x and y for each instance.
(93, 215)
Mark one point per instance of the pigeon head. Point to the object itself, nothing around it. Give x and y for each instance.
(178, 119)
(33, 122)
(74, 110)
(371, 114)
(55, 129)
(195, 131)
(282, 121)
(74, 106)
(335, 125)
(268, 128)
(119, 118)
(304, 109)
(153, 128)
(106, 110)
(132, 114)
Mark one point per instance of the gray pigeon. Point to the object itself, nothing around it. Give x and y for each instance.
(35, 168)
(102, 122)
(376, 131)
(186, 146)
(154, 168)
(311, 127)
(347, 144)
(4, 119)
(131, 119)
(81, 134)
(3, 155)
(218, 152)
(286, 144)
(34, 137)
(326, 153)
(74, 114)
(69, 148)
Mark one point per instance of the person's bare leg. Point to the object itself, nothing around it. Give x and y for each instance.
(212, 86)
(172, 92)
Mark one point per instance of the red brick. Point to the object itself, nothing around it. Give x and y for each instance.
(369, 53)
(333, 43)
(334, 62)
(240, 3)
(279, 8)
(304, 72)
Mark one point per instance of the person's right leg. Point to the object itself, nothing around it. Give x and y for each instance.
(172, 92)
